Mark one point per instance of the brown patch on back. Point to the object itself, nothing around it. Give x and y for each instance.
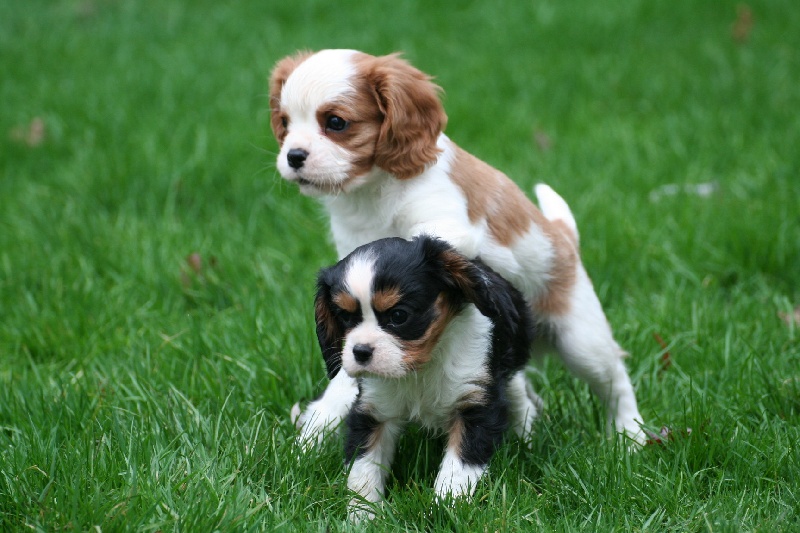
(418, 351)
(345, 301)
(563, 272)
(509, 214)
(491, 195)
(385, 299)
(283, 69)
(412, 115)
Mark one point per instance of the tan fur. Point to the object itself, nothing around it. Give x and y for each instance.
(413, 116)
(418, 351)
(326, 322)
(458, 267)
(283, 69)
(455, 435)
(384, 300)
(365, 117)
(345, 301)
(477, 397)
(563, 272)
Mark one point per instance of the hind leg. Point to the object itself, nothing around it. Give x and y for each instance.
(587, 347)
(524, 405)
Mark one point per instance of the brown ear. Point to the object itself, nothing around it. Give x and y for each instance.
(330, 331)
(413, 115)
(283, 69)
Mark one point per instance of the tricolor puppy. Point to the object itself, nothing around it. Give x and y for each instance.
(364, 134)
(430, 337)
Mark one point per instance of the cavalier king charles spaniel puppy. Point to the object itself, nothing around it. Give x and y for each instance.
(365, 135)
(430, 337)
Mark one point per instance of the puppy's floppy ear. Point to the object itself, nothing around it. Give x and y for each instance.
(494, 297)
(283, 69)
(413, 115)
(330, 331)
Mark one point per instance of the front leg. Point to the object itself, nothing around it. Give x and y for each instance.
(369, 449)
(473, 437)
(327, 412)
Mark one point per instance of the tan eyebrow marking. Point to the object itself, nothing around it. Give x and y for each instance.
(346, 301)
(385, 299)
(418, 351)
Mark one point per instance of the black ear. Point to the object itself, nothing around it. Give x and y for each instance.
(492, 294)
(472, 280)
(330, 331)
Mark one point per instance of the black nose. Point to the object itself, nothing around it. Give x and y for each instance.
(296, 157)
(362, 352)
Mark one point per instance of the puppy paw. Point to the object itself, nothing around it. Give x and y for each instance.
(456, 478)
(315, 423)
(295, 416)
(359, 511)
(632, 433)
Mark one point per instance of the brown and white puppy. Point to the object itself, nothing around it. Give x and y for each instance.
(433, 338)
(364, 134)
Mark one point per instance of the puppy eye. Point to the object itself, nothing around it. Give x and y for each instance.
(284, 121)
(348, 319)
(398, 317)
(334, 123)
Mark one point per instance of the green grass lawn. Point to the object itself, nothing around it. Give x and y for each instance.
(156, 275)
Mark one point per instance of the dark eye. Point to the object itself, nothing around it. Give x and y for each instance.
(398, 317)
(284, 121)
(335, 123)
(348, 319)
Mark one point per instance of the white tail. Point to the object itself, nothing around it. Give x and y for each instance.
(554, 207)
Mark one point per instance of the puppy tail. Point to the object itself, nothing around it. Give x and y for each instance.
(555, 208)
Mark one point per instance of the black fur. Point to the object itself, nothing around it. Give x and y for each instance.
(360, 426)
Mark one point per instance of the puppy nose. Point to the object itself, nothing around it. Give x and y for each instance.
(362, 352)
(296, 157)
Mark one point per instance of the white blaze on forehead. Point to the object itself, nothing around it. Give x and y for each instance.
(319, 79)
(359, 281)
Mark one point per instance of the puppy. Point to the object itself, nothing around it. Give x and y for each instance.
(365, 135)
(429, 337)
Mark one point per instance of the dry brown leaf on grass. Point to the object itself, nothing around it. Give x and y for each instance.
(196, 269)
(743, 25)
(665, 435)
(666, 357)
(542, 140)
(789, 318)
(31, 135)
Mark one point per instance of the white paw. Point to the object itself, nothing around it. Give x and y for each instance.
(325, 415)
(316, 422)
(294, 415)
(360, 511)
(456, 478)
(637, 437)
(632, 431)
(525, 406)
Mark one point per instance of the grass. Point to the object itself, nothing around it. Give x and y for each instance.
(156, 275)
